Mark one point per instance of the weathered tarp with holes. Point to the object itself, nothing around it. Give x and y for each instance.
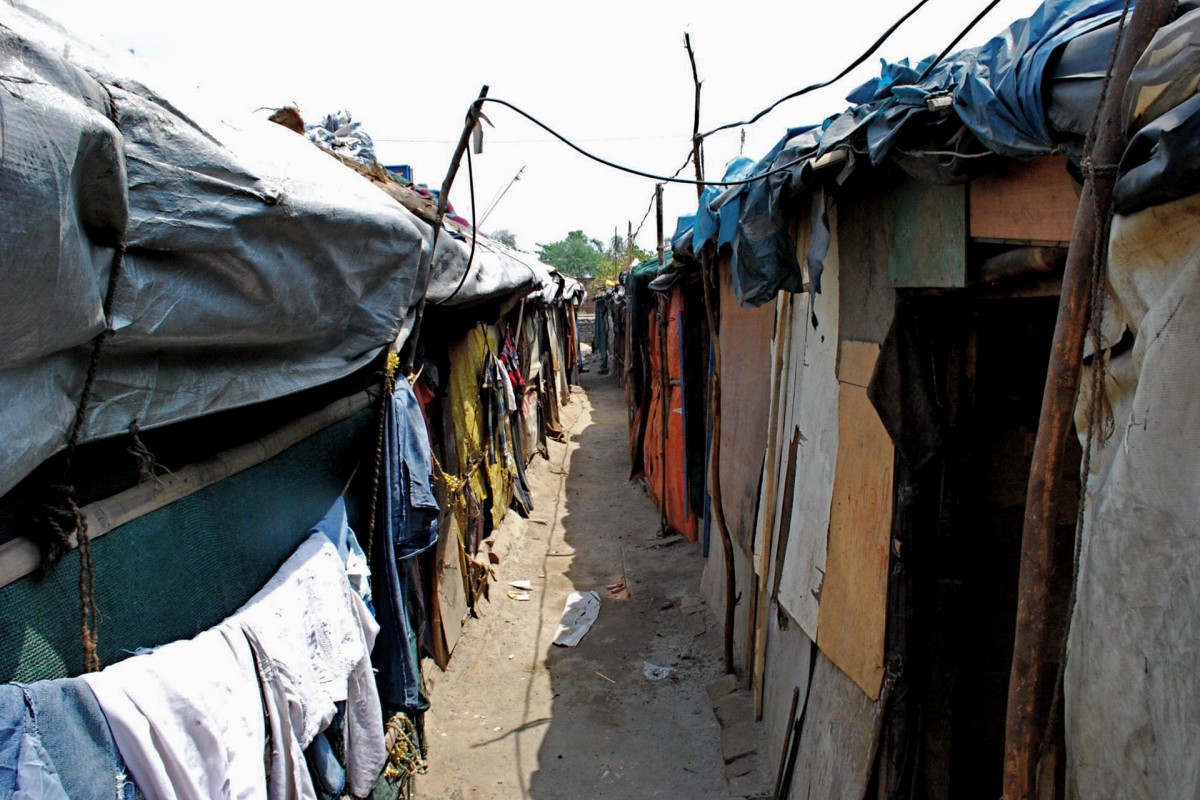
(496, 271)
(996, 93)
(255, 265)
(1132, 700)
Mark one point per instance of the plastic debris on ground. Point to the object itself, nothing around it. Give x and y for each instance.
(580, 612)
(654, 672)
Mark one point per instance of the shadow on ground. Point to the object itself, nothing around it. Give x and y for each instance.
(515, 716)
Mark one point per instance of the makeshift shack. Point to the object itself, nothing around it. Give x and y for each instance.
(218, 492)
(887, 303)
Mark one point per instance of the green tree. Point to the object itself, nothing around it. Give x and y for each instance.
(576, 255)
(504, 236)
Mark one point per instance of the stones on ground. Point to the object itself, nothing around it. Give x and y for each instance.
(741, 766)
(739, 740)
(734, 708)
(722, 686)
(690, 605)
(751, 785)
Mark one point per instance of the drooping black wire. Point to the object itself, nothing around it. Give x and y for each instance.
(954, 43)
(813, 87)
(631, 170)
(474, 233)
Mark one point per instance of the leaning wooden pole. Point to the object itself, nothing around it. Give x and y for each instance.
(425, 265)
(1030, 670)
(714, 472)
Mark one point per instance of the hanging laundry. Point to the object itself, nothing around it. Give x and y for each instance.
(312, 638)
(335, 526)
(55, 744)
(410, 526)
(512, 361)
(188, 717)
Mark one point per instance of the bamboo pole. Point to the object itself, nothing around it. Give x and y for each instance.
(1029, 676)
(20, 557)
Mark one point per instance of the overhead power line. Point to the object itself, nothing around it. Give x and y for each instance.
(632, 170)
(815, 86)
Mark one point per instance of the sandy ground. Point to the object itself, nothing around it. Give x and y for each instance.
(517, 717)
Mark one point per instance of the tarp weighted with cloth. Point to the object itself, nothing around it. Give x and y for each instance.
(240, 281)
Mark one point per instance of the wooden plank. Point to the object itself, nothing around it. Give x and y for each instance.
(1033, 201)
(814, 405)
(839, 738)
(853, 615)
(868, 300)
(765, 533)
(450, 599)
(857, 362)
(745, 406)
(927, 241)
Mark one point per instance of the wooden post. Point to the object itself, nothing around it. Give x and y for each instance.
(1029, 676)
(426, 262)
(714, 472)
(664, 373)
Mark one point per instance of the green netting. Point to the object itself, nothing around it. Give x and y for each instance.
(183, 568)
(650, 267)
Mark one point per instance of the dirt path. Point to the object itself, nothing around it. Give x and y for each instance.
(515, 716)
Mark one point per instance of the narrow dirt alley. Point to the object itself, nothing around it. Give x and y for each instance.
(515, 716)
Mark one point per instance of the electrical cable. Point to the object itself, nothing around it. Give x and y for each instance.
(631, 170)
(987, 10)
(745, 181)
(813, 87)
(474, 233)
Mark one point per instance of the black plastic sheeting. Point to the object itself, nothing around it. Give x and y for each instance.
(1162, 161)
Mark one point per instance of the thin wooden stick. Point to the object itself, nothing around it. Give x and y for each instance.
(714, 472)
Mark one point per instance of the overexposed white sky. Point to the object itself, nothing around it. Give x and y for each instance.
(612, 76)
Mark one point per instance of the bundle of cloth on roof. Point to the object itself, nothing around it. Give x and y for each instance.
(885, 309)
(230, 522)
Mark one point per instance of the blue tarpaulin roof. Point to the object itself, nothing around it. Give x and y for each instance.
(999, 92)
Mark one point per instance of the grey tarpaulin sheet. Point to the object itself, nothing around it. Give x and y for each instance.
(257, 265)
(1131, 689)
(496, 271)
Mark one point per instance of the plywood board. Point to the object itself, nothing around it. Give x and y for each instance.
(451, 597)
(838, 740)
(1032, 201)
(927, 234)
(853, 614)
(764, 531)
(868, 300)
(745, 406)
(814, 409)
